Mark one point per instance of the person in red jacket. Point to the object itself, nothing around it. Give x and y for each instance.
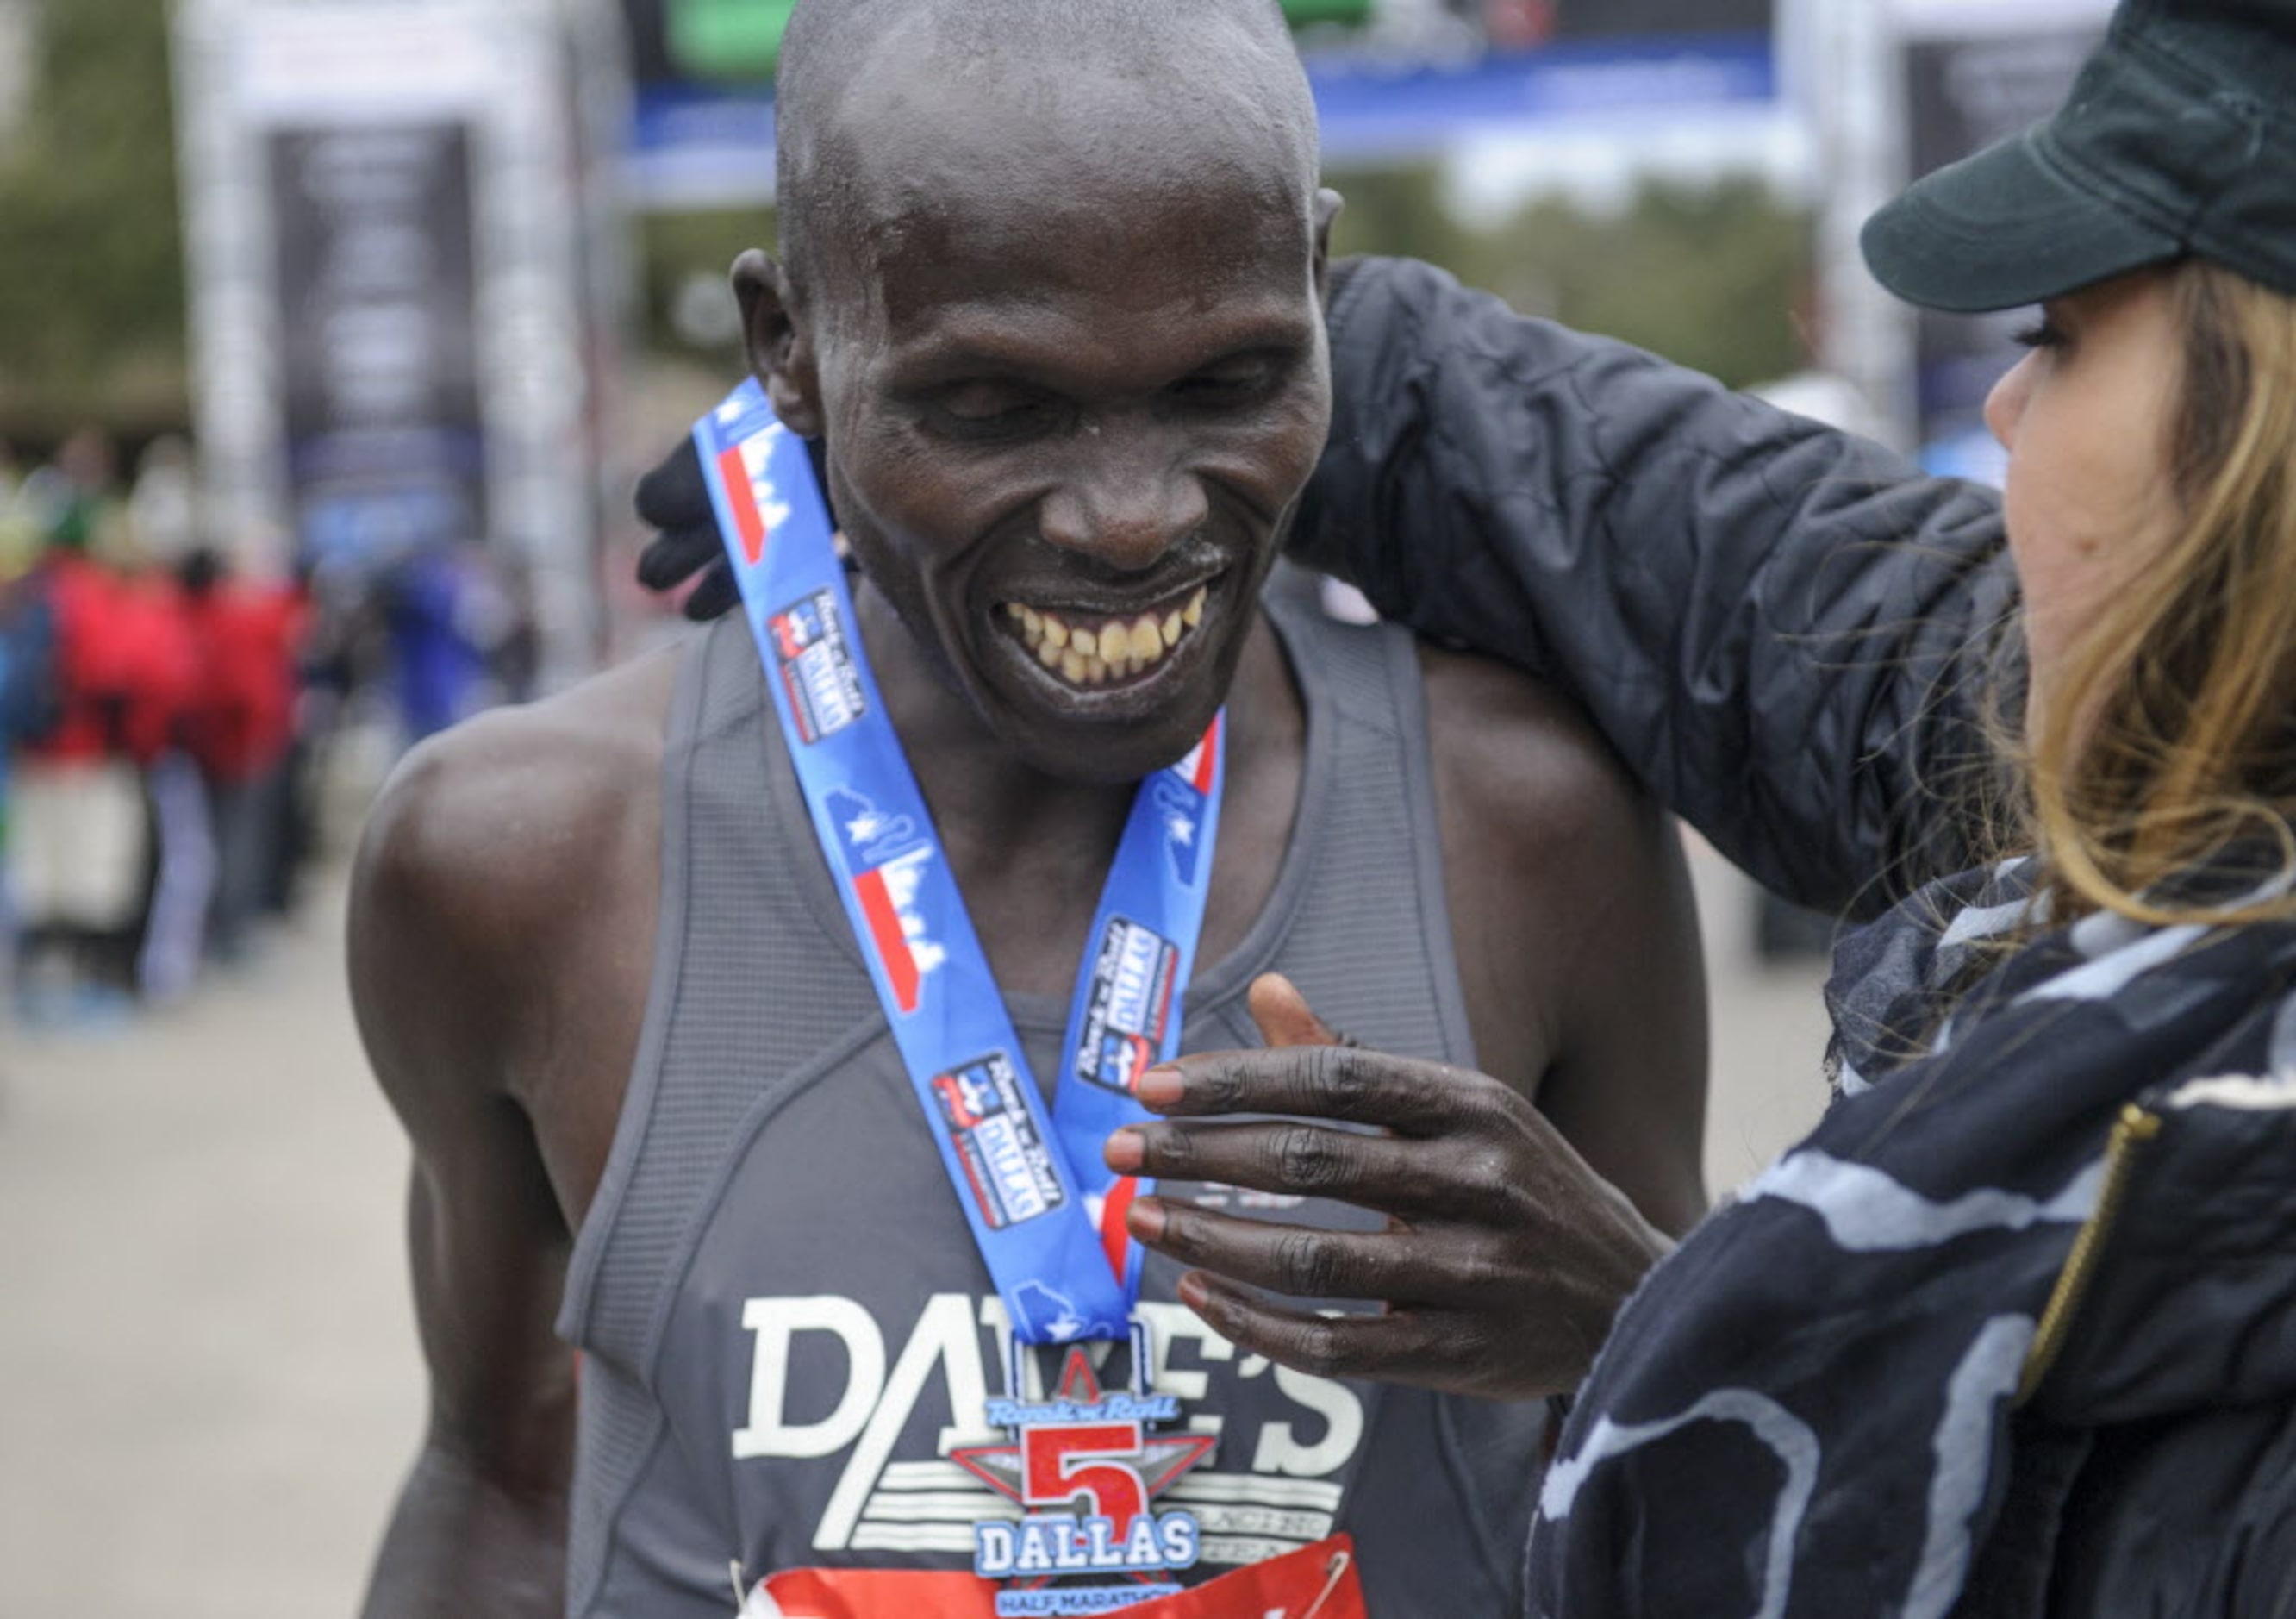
(79, 842)
(238, 727)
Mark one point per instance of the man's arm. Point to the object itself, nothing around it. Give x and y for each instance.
(1782, 630)
(1575, 931)
(481, 1524)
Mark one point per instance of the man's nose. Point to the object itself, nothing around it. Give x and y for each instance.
(1125, 503)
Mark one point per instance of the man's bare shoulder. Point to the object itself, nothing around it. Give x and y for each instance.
(498, 814)
(1527, 768)
(507, 874)
(1572, 926)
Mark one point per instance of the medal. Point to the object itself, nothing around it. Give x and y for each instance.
(1085, 1449)
(1084, 1465)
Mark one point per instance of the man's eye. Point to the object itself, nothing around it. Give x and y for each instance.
(1227, 384)
(990, 406)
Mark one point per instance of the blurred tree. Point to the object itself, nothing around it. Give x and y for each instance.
(682, 252)
(1706, 275)
(91, 265)
(1399, 209)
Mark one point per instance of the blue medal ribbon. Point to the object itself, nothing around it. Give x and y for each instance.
(1047, 1217)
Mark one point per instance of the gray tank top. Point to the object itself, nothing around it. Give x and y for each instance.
(784, 1324)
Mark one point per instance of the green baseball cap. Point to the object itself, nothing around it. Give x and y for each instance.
(2179, 138)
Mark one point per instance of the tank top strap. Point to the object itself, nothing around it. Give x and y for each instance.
(734, 914)
(1367, 934)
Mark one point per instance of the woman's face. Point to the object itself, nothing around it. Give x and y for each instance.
(2086, 420)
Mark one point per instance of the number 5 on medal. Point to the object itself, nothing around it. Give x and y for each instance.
(1062, 1460)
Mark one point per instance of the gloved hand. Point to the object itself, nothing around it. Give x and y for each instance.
(673, 499)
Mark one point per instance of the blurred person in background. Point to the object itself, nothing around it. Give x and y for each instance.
(445, 614)
(161, 668)
(79, 837)
(27, 698)
(163, 503)
(238, 728)
(77, 502)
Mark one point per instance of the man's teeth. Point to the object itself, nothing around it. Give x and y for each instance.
(1109, 649)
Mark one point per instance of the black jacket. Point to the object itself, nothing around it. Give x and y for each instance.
(1794, 639)
(1786, 632)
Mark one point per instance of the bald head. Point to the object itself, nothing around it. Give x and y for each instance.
(892, 111)
(1051, 296)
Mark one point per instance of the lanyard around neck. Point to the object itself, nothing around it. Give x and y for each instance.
(1048, 1218)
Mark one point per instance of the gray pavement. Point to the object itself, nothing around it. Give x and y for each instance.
(211, 1384)
(205, 1344)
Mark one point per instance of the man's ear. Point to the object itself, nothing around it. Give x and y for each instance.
(779, 341)
(1328, 203)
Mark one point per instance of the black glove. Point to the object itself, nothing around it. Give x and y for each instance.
(673, 499)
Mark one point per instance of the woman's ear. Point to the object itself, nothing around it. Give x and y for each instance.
(779, 342)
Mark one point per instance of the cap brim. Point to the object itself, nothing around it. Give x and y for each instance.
(2004, 228)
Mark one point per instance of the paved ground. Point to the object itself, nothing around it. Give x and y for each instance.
(206, 1349)
(208, 1362)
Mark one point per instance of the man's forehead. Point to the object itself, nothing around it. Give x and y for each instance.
(1088, 340)
(1196, 270)
(1010, 145)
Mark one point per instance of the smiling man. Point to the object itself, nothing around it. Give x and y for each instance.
(1051, 296)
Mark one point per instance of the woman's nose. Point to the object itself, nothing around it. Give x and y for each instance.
(2004, 406)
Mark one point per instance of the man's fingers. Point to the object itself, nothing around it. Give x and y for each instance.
(1345, 1082)
(1323, 1346)
(1394, 1175)
(1300, 1260)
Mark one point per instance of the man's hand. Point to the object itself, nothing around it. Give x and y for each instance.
(1504, 1257)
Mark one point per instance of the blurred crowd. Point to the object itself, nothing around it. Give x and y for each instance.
(166, 714)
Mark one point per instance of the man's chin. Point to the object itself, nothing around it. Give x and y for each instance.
(1105, 753)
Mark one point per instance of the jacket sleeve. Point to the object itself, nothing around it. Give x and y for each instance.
(1788, 634)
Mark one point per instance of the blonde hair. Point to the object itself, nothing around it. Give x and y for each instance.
(2171, 743)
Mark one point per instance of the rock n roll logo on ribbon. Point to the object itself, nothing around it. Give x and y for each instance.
(1133, 988)
(817, 667)
(1007, 1164)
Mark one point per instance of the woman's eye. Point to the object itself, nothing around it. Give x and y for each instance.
(2040, 334)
